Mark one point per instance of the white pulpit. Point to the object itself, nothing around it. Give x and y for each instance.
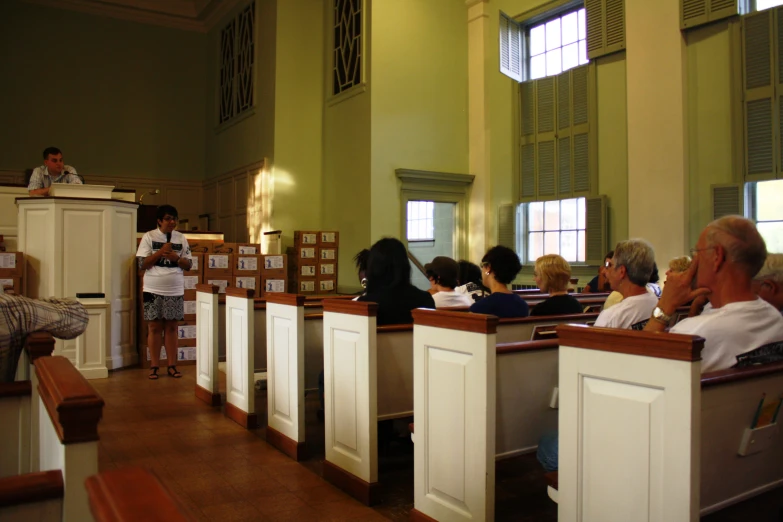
(83, 245)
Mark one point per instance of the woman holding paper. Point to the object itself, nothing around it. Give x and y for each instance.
(164, 254)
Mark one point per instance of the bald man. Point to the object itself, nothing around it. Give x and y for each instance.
(729, 254)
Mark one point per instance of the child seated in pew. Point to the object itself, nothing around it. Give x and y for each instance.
(500, 265)
(389, 283)
(470, 281)
(442, 273)
(553, 273)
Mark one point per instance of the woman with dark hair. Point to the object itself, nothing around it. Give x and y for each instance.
(500, 265)
(470, 281)
(389, 283)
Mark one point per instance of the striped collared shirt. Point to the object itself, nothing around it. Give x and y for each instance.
(42, 179)
(20, 316)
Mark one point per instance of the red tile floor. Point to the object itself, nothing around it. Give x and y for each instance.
(222, 472)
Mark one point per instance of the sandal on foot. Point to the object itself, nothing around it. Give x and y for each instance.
(173, 372)
(153, 373)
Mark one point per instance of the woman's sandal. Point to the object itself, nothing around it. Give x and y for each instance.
(153, 373)
(173, 372)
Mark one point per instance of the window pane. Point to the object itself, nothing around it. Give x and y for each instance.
(553, 35)
(773, 236)
(551, 242)
(538, 66)
(568, 246)
(766, 4)
(570, 56)
(581, 215)
(554, 65)
(535, 216)
(552, 216)
(580, 253)
(582, 22)
(570, 28)
(537, 40)
(535, 246)
(583, 52)
(568, 219)
(410, 230)
(769, 195)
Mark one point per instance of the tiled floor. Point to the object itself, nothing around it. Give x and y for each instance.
(223, 472)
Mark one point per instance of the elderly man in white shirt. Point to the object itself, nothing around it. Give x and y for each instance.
(628, 273)
(729, 254)
(52, 171)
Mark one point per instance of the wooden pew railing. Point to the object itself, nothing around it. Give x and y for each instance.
(207, 382)
(240, 358)
(32, 496)
(132, 495)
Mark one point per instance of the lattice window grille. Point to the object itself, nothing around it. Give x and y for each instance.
(237, 61)
(347, 52)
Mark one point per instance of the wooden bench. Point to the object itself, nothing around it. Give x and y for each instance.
(32, 496)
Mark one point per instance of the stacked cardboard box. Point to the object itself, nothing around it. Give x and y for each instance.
(313, 262)
(12, 271)
(274, 273)
(247, 271)
(328, 243)
(248, 248)
(219, 270)
(193, 277)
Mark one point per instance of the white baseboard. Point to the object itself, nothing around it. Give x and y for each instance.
(121, 361)
(739, 498)
(94, 373)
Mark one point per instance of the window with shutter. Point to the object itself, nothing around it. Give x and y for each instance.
(507, 226)
(763, 206)
(605, 27)
(726, 200)
(694, 13)
(510, 47)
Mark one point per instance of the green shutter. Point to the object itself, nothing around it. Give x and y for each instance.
(759, 96)
(546, 117)
(510, 40)
(605, 27)
(694, 13)
(527, 184)
(595, 231)
(580, 131)
(507, 226)
(726, 200)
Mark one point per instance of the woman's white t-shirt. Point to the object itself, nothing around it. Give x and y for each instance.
(449, 299)
(165, 277)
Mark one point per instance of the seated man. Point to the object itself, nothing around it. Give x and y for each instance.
(19, 316)
(628, 274)
(442, 273)
(729, 253)
(52, 171)
(768, 283)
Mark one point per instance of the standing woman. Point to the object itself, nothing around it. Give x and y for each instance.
(164, 253)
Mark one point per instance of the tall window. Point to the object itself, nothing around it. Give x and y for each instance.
(553, 227)
(767, 211)
(347, 52)
(557, 45)
(421, 221)
(237, 58)
(760, 5)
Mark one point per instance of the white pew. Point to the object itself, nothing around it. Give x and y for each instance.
(207, 382)
(629, 425)
(521, 329)
(240, 356)
(70, 410)
(32, 497)
(454, 451)
(285, 374)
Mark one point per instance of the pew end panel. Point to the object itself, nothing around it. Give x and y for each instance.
(730, 399)
(15, 411)
(240, 389)
(395, 371)
(207, 387)
(454, 404)
(32, 497)
(350, 396)
(629, 424)
(285, 371)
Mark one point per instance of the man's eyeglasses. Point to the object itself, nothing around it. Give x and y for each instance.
(693, 251)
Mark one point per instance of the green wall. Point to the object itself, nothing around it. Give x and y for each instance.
(119, 98)
(419, 98)
(250, 138)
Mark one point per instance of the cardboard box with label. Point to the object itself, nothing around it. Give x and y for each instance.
(218, 265)
(275, 263)
(247, 264)
(328, 238)
(11, 283)
(275, 286)
(305, 237)
(326, 286)
(198, 265)
(306, 286)
(221, 247)
(200, 246)
(11, 264)
(221, 283)
(327, 254)
(327, 269)
(186, 333)
(248, 281)
(191, 281)
(248, 248)
(184, 353)
(307, 255)
(307, 271)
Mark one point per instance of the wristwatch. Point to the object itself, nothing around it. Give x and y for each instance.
(660, 316)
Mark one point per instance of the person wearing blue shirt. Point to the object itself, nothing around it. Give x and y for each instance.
(499, 266)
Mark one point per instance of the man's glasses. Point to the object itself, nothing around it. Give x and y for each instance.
(693, 251)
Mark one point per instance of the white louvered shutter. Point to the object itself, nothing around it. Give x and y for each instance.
(507, 226)
(527, 182)
(727, 200)
(605, 27)
(510, 36)
(580, 131)
(759, 96)
(545, 137)
(595, 232)
(694, 13)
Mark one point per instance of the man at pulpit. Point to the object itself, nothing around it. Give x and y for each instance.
(52, 171)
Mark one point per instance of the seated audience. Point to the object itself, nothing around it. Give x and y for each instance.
(599, 283)
(768, 283)
(470, 281)
(360, 260)
(652, 286)
(629, 274)
(52, 171)
(20, 316)
(678, 264)
(500, 265)
(553, 273)
(389, 283)
(729, 254)
(442, 273)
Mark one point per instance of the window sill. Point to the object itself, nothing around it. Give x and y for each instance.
(238, 118)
